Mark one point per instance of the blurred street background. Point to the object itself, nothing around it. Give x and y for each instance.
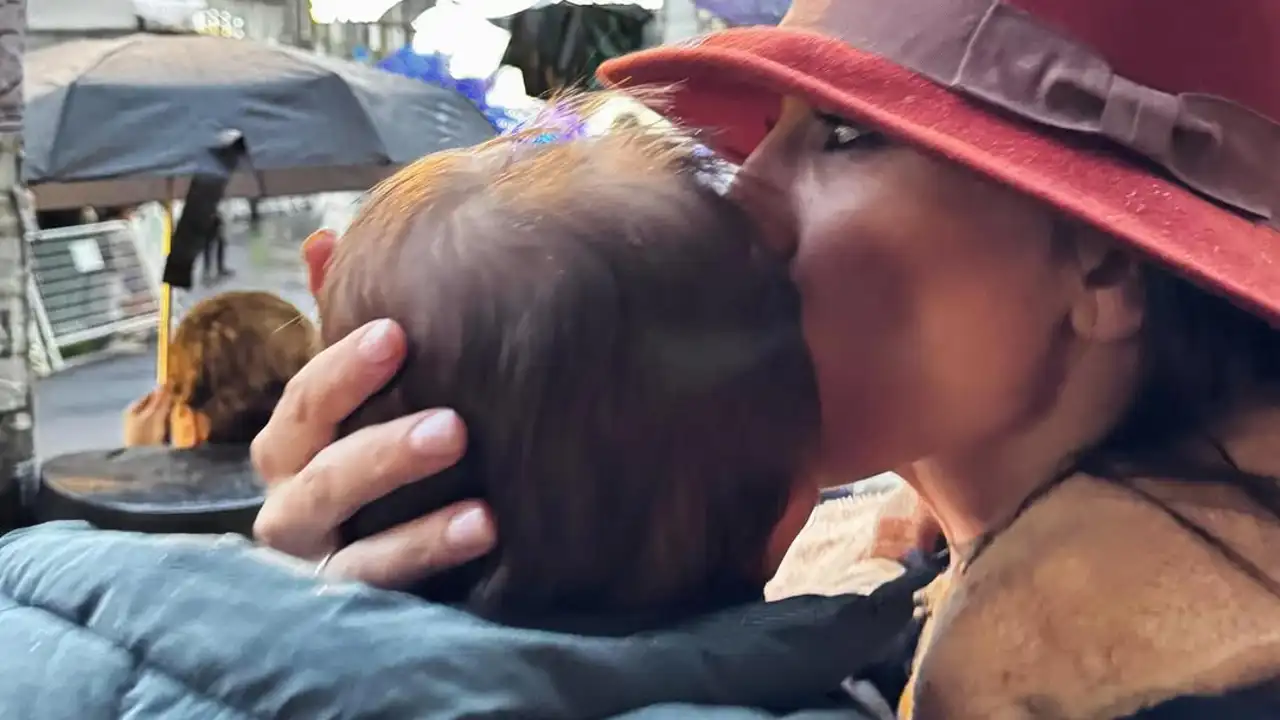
(151, 130)
(79, 407)
(501, 54)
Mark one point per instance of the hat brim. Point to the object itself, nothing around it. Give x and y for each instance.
(730, 84)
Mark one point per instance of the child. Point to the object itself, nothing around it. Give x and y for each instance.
(638, 396)
(229, 361)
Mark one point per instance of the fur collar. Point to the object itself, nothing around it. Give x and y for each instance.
(1096, 604)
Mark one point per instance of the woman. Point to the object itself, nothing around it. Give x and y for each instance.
(215, 253)
(1035, 281)
(229, 361)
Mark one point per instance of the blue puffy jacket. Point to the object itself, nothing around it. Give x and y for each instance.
(112, 625)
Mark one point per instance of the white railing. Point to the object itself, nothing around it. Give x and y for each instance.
(87, 283)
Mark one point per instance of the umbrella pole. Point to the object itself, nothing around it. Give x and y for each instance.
(166, 302)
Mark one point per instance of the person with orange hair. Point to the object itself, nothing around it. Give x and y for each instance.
(229, 361)
(610, 273)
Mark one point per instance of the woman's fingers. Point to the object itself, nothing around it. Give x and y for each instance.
(156, 401)
(160, 401)
(302, 513)
(326, 390)
(315, 484)
(317, 249)
(141, 404)
(146, 420)
(442, 540)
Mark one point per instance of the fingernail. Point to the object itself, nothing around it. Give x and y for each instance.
(469, 531)
(376, 344)
(434, 433)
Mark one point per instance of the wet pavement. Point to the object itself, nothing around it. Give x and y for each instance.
(79, 408)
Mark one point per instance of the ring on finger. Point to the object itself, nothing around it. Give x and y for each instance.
(324, 563)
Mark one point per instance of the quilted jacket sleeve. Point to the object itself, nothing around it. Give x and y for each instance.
(106, 625)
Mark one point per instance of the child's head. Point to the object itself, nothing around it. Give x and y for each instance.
(638, 396)
(229, 361)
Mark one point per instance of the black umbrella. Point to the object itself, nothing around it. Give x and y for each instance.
(157, 117)
(129, 120)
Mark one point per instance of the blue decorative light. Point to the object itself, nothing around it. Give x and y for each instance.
(557, 123)
(434, 69)
(746, 12)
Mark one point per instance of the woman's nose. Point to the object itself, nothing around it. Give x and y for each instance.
(763, 185)
(770, 159)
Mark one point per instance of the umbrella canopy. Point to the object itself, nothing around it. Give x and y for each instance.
(128, 120)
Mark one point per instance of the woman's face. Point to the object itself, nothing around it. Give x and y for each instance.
(935, 303)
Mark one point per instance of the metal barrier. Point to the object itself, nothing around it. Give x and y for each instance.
(32, 337)
(89, 282)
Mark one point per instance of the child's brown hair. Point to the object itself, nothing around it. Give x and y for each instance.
(231, 357)
(631, 369)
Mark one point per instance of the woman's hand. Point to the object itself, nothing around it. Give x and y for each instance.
(146, 420)
(314, 484)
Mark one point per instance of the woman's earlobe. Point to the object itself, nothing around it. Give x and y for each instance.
(1111, 305)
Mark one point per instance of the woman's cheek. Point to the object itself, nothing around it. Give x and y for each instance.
(858, 326)
(866, 429)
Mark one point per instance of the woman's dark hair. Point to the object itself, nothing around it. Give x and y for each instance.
(1201, 357)
(632, 373)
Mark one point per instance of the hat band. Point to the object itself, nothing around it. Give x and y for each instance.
(1002, 55)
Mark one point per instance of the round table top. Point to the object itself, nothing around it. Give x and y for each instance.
(207, 479)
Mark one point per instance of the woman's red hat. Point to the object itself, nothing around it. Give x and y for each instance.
(1151, 119)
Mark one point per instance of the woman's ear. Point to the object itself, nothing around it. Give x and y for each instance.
(1110, 305)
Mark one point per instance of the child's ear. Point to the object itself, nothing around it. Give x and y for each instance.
(317, 250)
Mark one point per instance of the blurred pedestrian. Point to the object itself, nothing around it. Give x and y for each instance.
(215, 253)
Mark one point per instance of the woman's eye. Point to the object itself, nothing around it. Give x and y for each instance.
(842, 136)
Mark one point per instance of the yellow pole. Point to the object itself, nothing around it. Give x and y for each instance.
(166, 302)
